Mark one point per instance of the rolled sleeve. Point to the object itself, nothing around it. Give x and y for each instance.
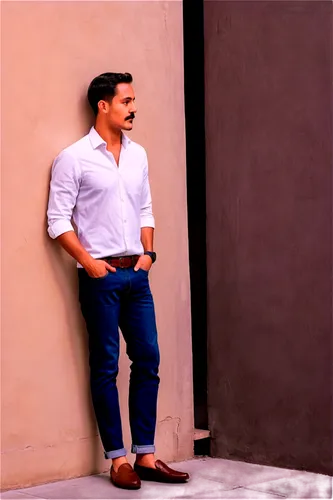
(59, 227)
(147, 221)
(64, 189)
(146, 213)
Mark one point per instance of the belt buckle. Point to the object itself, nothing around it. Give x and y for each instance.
(120, 262)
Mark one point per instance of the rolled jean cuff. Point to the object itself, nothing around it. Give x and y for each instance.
(115, 453)
(145, 448)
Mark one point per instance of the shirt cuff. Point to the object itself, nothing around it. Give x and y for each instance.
(59, 227)
(147, 221)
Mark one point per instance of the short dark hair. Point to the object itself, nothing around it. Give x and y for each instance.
(104, 87)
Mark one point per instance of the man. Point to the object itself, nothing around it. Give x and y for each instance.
(102, 182)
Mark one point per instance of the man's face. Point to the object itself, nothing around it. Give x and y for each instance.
(121, 110)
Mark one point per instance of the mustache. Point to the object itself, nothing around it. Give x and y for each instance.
(130, 117)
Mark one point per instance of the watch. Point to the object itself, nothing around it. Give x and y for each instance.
(152, 255)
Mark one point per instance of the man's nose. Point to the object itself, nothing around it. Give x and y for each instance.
(133, 108)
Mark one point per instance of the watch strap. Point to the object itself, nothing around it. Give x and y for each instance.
(152, 255)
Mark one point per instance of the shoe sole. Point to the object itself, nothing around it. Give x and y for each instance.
(125, 487)
(162, 479)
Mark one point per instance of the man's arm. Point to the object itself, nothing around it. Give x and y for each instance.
(64, 189)
(147, 238)
(147, 223)
(94, 267)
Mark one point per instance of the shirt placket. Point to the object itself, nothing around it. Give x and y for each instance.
(123, 208)
(121, 192)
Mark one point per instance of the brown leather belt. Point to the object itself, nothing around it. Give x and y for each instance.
(122, 262)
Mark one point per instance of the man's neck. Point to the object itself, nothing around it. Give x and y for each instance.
(112, 137)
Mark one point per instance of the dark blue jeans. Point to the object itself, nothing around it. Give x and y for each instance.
(122, 299)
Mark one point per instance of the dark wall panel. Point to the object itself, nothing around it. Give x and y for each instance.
(268, 101)
(196, 198)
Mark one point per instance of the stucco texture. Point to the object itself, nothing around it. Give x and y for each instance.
(50, 53)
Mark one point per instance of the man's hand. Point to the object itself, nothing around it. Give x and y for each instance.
(145, 262)
(98, 268)
(94, 267)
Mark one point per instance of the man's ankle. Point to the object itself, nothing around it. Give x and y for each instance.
(117, 462)
(146, 460)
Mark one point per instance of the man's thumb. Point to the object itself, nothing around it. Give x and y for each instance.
(110, 268)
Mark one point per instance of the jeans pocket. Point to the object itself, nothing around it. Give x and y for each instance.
(100, 278)
(143, 271)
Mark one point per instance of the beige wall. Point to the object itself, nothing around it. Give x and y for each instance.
(51, 51)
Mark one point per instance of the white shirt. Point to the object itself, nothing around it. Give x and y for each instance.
(108, 204)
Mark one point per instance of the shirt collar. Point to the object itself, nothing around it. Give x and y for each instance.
(96, 140)
(126, 141)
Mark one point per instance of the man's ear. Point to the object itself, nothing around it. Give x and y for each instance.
(103, 106)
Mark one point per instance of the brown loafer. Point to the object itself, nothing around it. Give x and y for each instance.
(162, 473)
(125, 478)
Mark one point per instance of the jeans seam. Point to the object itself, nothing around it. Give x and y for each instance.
(143, 447)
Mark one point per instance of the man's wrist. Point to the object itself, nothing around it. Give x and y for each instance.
(86, 261)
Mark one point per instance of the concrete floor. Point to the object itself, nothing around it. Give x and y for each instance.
(210, 478)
